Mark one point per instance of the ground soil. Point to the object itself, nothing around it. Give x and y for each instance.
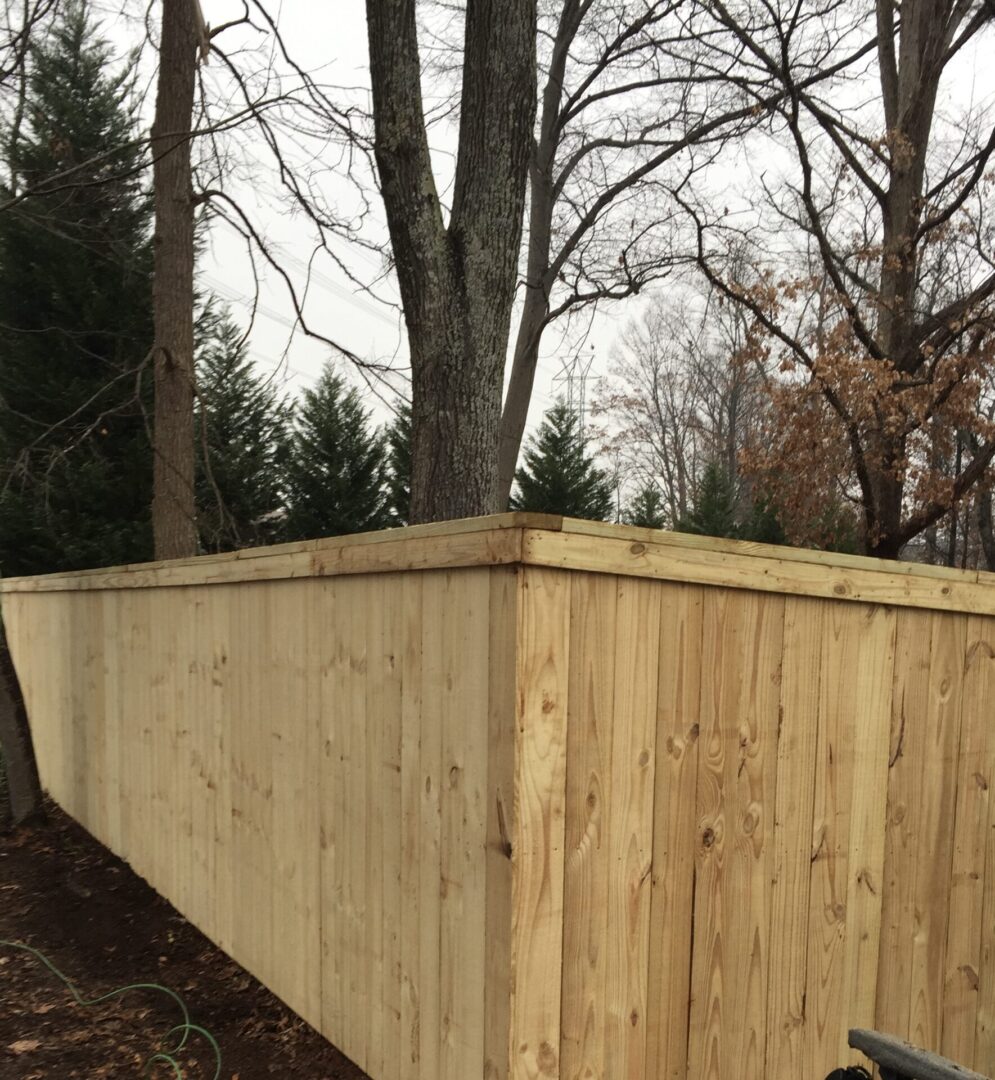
(65, 894)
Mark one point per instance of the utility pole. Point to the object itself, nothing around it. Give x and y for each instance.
(573, 376)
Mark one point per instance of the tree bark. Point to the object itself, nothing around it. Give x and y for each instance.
(538, 283)
(23, 785)
(457, 282)
(173, 508)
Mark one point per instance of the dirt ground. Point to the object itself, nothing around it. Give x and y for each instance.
(66, 895)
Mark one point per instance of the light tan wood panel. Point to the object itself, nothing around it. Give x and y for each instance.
(291, 724)
(329, 651)
(629, 821)
(538, 829)
(500, 801)
(673, 877)
(737, 756)
(466, 633)
(588, 868)
(910, 690)
(391, 664)
(844, 897)
(412, 793)
(429, 859)
(967, 929)
(251, 782)
(870, 682)
(934, 746)
(798, 726)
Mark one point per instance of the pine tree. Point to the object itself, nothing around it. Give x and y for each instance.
(646, 509)
(559, 475)
(336, 471)
(762, 525)
(75, 315)
(399, 464)
(715, 511)
(242, 434)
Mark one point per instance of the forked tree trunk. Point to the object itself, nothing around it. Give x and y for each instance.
(23, 785)
(174, 524)
(457, 282)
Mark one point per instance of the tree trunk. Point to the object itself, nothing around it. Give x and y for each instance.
(23, 785)
(457, 283)
(986, 529)
(174, 523)
(538, 282)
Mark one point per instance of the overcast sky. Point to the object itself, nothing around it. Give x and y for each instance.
(330, 38)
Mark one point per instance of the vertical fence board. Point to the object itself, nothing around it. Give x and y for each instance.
(502, 689)
(804, 625)
(871, 632)
(435, 611)
(538, 830)
(909, 691)
(741, 664)
(673, 877)
(412, 790)
(587, 868)
(392, 665)
(463, 837)
(967, 930)
(938, 744)
(329, 649)
(374, 679)
(629, 821)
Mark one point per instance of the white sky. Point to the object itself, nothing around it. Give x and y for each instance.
(328, 38)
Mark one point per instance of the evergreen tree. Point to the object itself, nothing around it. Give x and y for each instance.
(242, 434)
(715, 511)
(762, 525)
(646, 509)
(559, 476)
(336, 471)
(75, 315)
(399, 464)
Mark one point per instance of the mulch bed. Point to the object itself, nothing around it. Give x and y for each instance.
(66, 895)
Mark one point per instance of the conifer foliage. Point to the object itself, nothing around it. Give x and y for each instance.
(399, 465)
(646, 509)
(715, 511)
(243, 428)
(336, 473)
(559, 475)
(75, 315)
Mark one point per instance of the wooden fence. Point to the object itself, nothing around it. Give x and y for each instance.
(538, 798)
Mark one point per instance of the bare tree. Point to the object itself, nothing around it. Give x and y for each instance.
(457, 278)
(889, 190)
(674, 401)
(639, 99)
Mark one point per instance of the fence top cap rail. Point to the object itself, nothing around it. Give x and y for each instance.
(570, 544)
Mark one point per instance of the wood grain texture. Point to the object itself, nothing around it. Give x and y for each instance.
(967, 930)
(938, 743)
(798, 727)
(500, 800)
(525, 821)
(629, 826)
(741, 665)
(863, 583)
(538, 824)
(672, 907)
(910, 692)
(588, 867)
